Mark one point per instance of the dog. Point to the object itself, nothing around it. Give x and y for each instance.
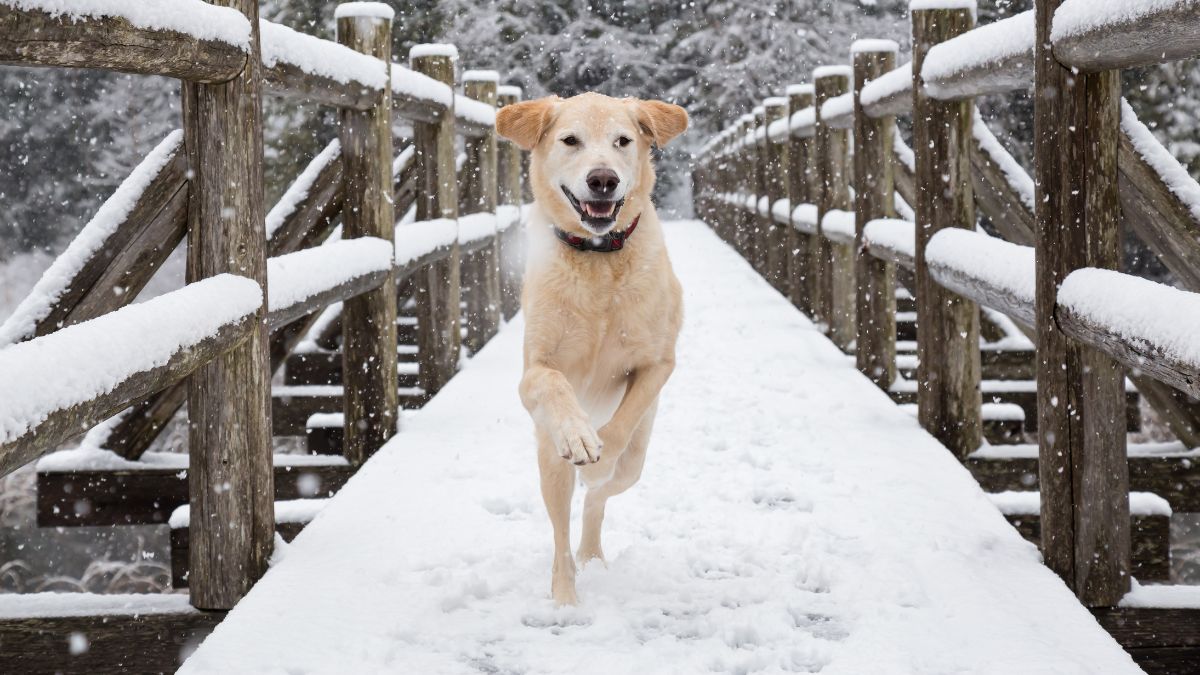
(602, 305)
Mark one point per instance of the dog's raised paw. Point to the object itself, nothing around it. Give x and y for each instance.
(578, 443)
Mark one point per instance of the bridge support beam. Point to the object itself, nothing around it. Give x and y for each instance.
(229, 398)
(948, 371)
(874, 192)
(1082, 467)
(438, 287)
(835, 306)
(370, 402)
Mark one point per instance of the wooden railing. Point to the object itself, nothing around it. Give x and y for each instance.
(780, 175)
(77, 352)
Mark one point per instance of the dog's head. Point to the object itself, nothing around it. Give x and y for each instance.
(591, 154)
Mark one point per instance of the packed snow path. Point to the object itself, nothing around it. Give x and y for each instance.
(790, 519)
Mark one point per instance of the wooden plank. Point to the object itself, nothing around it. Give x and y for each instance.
(1151, 543)
(103, 498)
(481, 270)
(150, 642)
(31, 37)
(1142, 627)
(65, 423)
(835, 261)
(799, 192)
(948, 344)
(228, 398)
(980, 290)
(285, 80)
(1084, 477)
(1176, 479)
(1160, 33)
(874, 190)
(438, 287)
(369, 319)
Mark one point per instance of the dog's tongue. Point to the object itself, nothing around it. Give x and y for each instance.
(598, 209)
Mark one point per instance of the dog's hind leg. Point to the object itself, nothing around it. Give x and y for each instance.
(558, 484)
(625, 474)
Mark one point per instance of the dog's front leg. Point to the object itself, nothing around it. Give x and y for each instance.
(550, 400)
(644, 385)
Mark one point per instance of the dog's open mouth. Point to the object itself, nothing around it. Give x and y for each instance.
(597, 216)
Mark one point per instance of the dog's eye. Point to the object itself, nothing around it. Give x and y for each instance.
(570, 140)
(623, 141)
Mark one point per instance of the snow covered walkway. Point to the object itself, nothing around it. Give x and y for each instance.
(790, 519)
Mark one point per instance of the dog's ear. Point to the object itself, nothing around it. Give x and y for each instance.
(661, 121)
(524, 123)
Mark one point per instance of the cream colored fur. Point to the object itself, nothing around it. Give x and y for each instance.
(600, 328)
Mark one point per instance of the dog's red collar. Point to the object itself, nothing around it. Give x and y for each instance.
(613, 241)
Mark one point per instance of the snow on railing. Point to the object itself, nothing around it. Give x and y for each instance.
(1147, 325)
(323, 58)
(804, 218)
(1018, 179)
(296, 277)
(992, 58)
(90, 242)
(298, 191)
(470, 110)
(93, 358)
(1173, 174)
(193, 18)
(892, 240)
(838, 112)
(838, 226)
(991, 271)
(890, 93)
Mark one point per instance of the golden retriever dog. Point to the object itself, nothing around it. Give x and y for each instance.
(602, 305)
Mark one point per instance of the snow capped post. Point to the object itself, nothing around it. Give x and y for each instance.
(800, 97)
(948, 369)
(1082, 467)
(874, 193)
(775, 173)
(835, 262)
(481, 269)
(508, 167)
(370, 400)
(745, 220)
(230, 477)
(438, 292)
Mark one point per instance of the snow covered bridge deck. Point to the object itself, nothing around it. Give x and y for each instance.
(791, 518)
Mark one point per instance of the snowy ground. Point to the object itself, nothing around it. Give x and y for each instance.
(790, 519)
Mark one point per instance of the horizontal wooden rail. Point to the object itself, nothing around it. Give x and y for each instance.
(303, 282)
(892, 240)
(1094, 36)
(176, 333)
(128, 39)
(889, 94)
(987, 270)
(1149, 327)
(991, 59)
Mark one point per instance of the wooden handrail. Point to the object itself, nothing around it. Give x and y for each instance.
(1133, 36)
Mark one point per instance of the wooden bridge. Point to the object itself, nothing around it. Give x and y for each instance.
(795, 515)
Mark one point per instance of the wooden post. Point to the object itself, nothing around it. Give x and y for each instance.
(948, 368)
(775, 174)
(370, 399)
(509, 178)
(438, 292)
(835, 261)
(230, 477)
(874, 198)
(758, 256)
(481, 270)
(1082, 466)
(800, 96)
(744, 227)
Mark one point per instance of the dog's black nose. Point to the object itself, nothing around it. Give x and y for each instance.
(602, 182)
